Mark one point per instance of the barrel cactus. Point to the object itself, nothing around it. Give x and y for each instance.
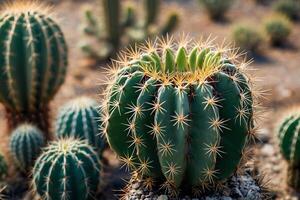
(289, 139)
(180, 110)
(26, 143)
(79, 118)
(68, 169)
(32, 63)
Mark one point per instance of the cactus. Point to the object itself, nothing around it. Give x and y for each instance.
(289, 138)
(26, 143)
(80, 119)
(179, 111)
(3, 167)
(289, 8)
(68, 169)
(32, 63)
(216, 9)
(113, 30)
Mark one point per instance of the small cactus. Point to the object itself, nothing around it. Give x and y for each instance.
(33, 62)
(68, 169)
(80, 119)
(130, 29)
(26, 143)
(289, 8)
(3, 167)
(289, 141)
(167, 115)
(216, 9)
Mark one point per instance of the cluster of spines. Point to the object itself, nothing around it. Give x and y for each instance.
(26, 143)
(149, 105)
(79, 118)
(68, 169)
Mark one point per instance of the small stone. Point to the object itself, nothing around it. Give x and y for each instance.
(267, 150)
(264, 135)
(136, 185)
(162, 197)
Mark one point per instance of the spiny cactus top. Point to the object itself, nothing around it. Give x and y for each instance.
(79, 118)
(26, 143)
(68, 169)
(33, 57)
(183, 110)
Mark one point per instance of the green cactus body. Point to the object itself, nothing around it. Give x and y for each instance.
(80, 119)
(3, 167)
(68, 169)
(32, 63)
(26, 144)
(180, 112)
(288, 135)
(152, 9)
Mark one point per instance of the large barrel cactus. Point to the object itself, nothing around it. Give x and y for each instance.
(68, 169)
(26, 144)
(289, 140)
(180, 111)
(80, 119)
(33, 62)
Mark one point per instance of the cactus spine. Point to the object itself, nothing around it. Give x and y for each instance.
(32, 63)
(167, 114)
(26, 143)
(68, 169)
(289, 140)
(130, 29)
(80, 119)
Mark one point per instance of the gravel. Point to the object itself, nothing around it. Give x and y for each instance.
(243, 187)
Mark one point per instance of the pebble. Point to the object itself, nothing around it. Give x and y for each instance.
(268, 150)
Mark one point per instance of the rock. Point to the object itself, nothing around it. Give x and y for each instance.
(264, 135)
(267, 150)
(163, 197)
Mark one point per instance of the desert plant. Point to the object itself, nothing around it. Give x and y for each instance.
(32, 63)
(167, 115)
(216, 9)
(26, 144)
(113, 33)
(68, 169)
(278, 28)
(247, 38)
(79, 118)
(290, 8)
(288, 135)
(3, 168)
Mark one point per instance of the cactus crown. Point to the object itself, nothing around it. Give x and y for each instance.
(25, 6)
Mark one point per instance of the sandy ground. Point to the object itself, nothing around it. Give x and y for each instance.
(278, 68)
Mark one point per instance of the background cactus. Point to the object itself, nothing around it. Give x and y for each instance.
(3, 167)
(68, 169)
(166, 112)
(289, 138)
(112, 31)
(278, 29)
(32, 63)
(289, 8)
(26, 143)
(79, 118)
(216, 9)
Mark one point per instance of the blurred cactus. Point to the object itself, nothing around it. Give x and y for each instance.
(247, 38)
(289, 140)
(80, 119)
(289, 8)
(68, 169)
(114, 33)
(26, 143)
(216, 9)
(3, 167)
(278, 28)
(32, 63)
(167, 117)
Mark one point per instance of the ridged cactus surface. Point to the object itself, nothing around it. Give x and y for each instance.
(180, 111)
(68, 169)
(26, 144)
(33, 61)
(289, 140)
(79, 118)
